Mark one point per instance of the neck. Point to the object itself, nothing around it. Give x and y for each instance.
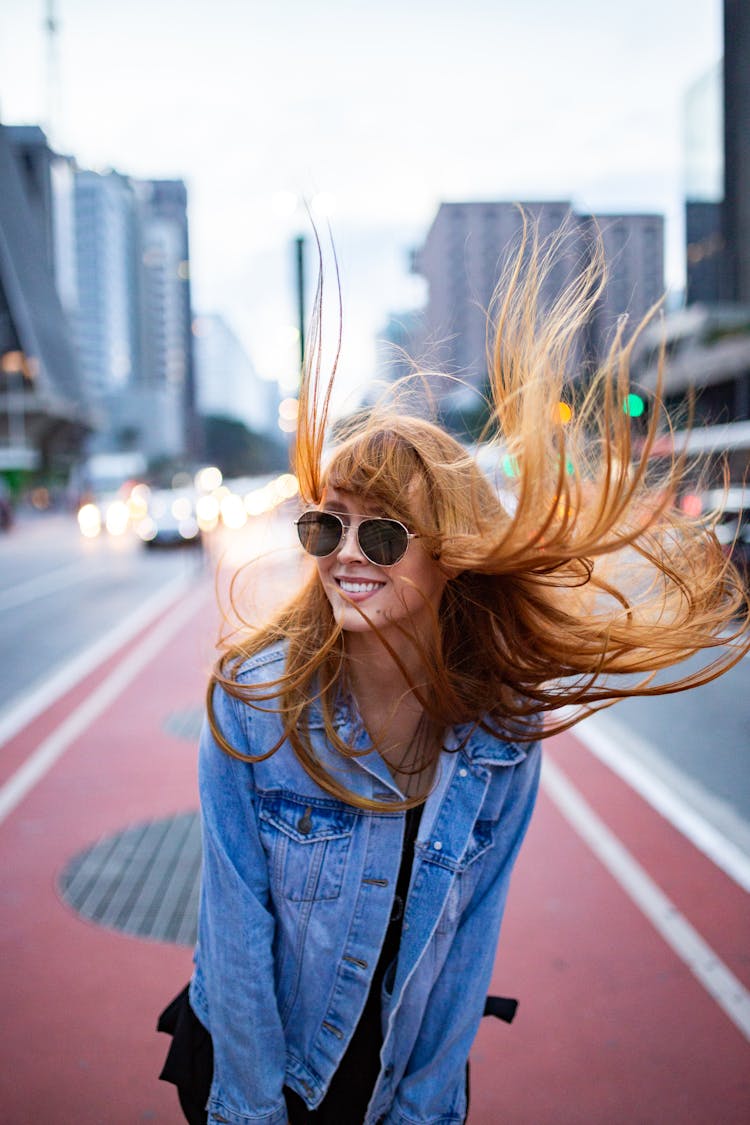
(375, 677)
(405, 737)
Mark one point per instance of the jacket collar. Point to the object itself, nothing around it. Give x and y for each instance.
(483, 748)
(478, 745)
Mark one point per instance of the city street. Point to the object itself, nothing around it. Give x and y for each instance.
(626, 933)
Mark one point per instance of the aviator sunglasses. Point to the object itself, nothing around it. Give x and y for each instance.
(382, 541)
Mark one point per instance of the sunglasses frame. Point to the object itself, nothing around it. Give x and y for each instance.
(346, 528)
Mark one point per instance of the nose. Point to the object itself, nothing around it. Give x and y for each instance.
(349, 549)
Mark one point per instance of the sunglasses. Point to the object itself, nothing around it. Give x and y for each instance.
(383, 542)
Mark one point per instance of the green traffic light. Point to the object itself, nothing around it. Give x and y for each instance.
(633, 405)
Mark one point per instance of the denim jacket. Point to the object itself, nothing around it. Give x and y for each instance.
(296, 896)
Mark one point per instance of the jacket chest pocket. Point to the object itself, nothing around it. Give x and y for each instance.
(466, 877)
(307, 846)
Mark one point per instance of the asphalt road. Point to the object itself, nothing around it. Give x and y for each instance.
(61, 594)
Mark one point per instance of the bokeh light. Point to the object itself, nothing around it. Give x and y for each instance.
(89, 521)
(633, 405)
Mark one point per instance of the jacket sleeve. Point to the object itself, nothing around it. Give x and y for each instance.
(433, 1087)
(235, 933)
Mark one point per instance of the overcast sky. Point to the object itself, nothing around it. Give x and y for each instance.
(383, 108)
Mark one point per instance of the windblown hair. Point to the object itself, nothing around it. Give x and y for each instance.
(569, 588)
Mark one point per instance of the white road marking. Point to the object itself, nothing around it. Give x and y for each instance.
(631, 757)
(43, 584)
(54, 746)
(14, 717)
(685, 941)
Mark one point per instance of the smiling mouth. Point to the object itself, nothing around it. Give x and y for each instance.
(352, 586)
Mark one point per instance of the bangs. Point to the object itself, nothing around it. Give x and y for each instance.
(385, 470)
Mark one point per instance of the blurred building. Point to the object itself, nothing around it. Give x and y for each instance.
(708, 343)
(461, 259)
(706, 349)
(469, 244)
(634, 253)
(736, 90)
(704, 187)
(167, 370)
(116, 251)
(45, 412)
(399, 345)
(717, 170)
(106, 297)
(227, 384)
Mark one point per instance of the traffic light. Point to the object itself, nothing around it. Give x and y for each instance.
(633, 405)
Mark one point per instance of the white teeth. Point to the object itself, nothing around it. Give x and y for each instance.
(358, 587)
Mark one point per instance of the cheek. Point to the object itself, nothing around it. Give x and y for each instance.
(423, 587)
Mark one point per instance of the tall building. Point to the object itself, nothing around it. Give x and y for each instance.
(106, 295)
(461, 259)
(129, 301)
(634, 253)
(165, 310)
(469, 244)
(114, 254)
(44, 411)
(704, 187)
(736, 212)
(34, 161)
(227, 383)
(717, 170)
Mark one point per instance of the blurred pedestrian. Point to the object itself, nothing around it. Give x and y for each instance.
(371, 757)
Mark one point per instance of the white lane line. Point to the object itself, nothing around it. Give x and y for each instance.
(43, 584)
(719, 981)
(635, 760)
(14, 717)
(54, 746)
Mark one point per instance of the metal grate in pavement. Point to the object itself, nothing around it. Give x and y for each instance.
(185, 724)
(143, 881)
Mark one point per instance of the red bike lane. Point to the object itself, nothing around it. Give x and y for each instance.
(613, 1026)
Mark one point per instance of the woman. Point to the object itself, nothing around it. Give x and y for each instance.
(371, 756)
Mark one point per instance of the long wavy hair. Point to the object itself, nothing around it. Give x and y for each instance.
(568, 588)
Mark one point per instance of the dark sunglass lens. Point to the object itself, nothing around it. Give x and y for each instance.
(383, 541)
(319, 533)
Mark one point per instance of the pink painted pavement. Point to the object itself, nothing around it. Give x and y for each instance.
(612, 1029)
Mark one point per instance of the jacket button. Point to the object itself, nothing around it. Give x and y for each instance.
(462, 772)
(437, 846)
(304, 824)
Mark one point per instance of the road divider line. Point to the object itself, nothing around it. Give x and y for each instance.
(41, 760)
(684, 940)
(42, 585)
(38, 699)
(626, 754)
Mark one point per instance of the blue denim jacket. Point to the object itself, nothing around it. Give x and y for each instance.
(296, 897)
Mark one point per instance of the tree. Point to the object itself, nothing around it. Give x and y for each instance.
(238, 451)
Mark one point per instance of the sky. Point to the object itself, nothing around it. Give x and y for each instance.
(374, 113)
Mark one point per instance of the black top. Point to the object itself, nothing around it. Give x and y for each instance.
(349, 1093)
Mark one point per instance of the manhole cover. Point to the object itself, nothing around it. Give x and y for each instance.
(143, 881)
(185, 724)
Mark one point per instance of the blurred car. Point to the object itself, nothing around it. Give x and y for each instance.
(103, 512)
(170, 519)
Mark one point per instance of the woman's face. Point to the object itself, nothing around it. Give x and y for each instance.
(408, 592)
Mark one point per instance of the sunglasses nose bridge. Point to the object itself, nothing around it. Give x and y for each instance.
(349, 543)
